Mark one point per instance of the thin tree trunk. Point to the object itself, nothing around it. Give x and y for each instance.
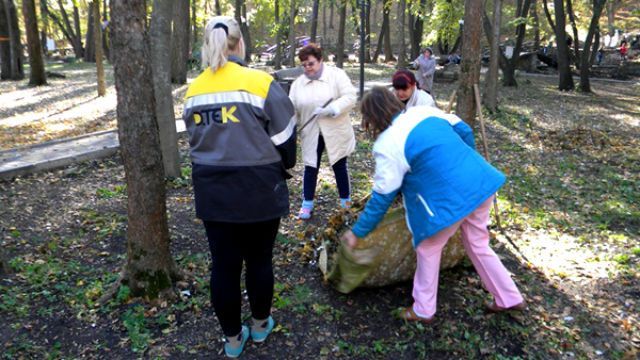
(383, 30)
(15, 44)
(470, 65)
(5, 47)
(150, 268)
(44, 31)
(611, 17)
(97, 38)
(341, 32)
(277, 59)
(76, 39)
(574, 27)
(89, 49)
(36, 62)
(491, 86)
(565, 78)
(180, 42)
(367, 30)
(105, 30)
(509, 78)
(314, 20)
(324, 22)
(246, 34)
(388, 50)
(547, 13)
(194, 24)
(160, 36)
(291, 56)
(536, 25)
(585, 67)
(218, 8)
(76, 22)
(402, 52)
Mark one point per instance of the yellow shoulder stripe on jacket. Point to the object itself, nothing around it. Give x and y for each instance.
(231, 77)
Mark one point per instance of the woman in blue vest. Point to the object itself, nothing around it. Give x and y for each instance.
(430, 158)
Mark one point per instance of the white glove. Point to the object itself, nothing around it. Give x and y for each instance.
(328, 110)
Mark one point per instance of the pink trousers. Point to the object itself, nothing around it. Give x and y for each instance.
(475, 238)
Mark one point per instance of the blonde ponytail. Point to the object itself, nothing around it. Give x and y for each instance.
(222, 37)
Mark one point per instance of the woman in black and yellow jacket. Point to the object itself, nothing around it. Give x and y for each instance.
(242, 136)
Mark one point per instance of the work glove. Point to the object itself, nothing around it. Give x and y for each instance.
(326, 111)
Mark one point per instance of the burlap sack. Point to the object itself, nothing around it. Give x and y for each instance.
(386, 256)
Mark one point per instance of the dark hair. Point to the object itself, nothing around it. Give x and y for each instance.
(378, 108)
(310, 50)
(403, 79)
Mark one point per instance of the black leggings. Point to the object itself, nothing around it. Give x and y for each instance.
(230, 245)
(310, 178)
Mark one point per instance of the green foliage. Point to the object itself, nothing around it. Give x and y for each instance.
(118, 190)
(444, 21)
(136, 326)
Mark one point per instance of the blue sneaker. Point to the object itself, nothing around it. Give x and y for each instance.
(260, 336)
(306, 210)
(234, 352)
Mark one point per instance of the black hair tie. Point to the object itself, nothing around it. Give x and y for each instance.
(223, 27)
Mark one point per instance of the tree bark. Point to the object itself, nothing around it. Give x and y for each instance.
(491, 85)
(218, 8)
(470, 65)
(15, 44)
(548, 15)
(388, 50)
(383, 31)
(291, 56)
(160, 36)
(536, 25)
(341, 32)
(574, 27)
(417, 30)
(5, 47)
(150, 268)
(246, 34)
(585, 66)
(44, 19)
(367, 32)
(90, 49)
(76, 37)
(402, 51)
(180, 42)
(37, 76)
(277, 58)
(565, 79)
(97, 38)
(314, 20)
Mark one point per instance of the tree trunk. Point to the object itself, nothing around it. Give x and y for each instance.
(218, 8)
(417, 29)
(367, 32)
(150, 268)
(388, 50)
(37, 76)
(585, 66)
(194, 24)
(536, 25)
(324, 22)
(277, 58)
(491, 85)
(341, 32)
(105, 30)
(97, 38)
(5, 48)
(15, 44)
(291, 56)
(383, 31)
(509, 77)
(402, 51)
(314, 20)
(565, 79)
(76, 38)
(548, 15)
(90, 49)
(76, 23)
(44, 19)
(574, 27)
(180, 42)
(246, 34)
(470, 65)
(611, 16)
(160, 36)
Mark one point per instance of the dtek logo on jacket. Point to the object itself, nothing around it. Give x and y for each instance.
(218, 115)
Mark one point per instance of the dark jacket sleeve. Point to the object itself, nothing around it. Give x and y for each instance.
(281, 125)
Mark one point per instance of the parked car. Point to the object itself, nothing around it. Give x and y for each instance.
(269, 51)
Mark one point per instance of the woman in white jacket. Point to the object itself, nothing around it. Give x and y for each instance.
(322, 98)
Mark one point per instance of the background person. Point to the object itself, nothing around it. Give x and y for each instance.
(426, 65)
(242, 134)
(445, 185)
(331, 128)
(406, 90)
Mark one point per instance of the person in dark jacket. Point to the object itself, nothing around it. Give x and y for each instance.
(429, 156)
(242, 139)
